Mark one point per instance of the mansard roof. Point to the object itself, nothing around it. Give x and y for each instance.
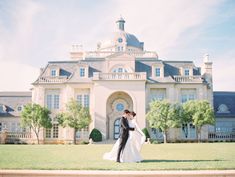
(224, 104)
(68, 70)
(12, 100)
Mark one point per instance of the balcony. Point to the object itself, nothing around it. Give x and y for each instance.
(119, 76)
(51, 79)
(188, 79)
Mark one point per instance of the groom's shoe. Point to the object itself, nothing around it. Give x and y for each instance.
(118, 160)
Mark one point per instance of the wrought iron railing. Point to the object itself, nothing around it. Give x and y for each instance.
(221, 136)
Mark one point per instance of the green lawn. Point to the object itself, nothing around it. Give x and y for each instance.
(89, 157)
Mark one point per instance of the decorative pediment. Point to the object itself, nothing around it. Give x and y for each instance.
(223, 109)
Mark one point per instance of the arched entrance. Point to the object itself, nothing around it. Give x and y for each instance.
(116, 104)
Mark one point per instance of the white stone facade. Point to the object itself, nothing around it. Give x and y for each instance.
(119, 75)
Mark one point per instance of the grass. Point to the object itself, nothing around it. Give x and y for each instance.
(89, 157)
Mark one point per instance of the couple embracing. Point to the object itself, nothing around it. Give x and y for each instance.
(127, 147)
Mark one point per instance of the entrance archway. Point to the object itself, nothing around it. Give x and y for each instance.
(116, 104)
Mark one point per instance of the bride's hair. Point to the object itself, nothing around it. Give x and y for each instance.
(133, 113)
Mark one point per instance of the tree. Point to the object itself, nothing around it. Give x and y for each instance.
(76, 117)
(36, 117)
(164, 115)
(199, 113)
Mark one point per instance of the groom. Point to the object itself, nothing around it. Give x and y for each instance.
(124, 133)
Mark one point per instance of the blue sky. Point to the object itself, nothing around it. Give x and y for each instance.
(35, 32)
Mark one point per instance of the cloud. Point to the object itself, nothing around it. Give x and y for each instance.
(162, 23)
(35, 32)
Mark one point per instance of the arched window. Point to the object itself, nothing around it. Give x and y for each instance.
(116, 128)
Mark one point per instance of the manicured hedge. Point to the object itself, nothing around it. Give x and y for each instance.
(95, 135)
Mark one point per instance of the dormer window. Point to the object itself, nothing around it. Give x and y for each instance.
(53, 72)
(186, 72)
(157, 72)
(2, 108)
(223, 109)
(82, 72)
(20, 108)
(120, 40)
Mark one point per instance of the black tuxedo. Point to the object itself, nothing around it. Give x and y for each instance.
(124, 134)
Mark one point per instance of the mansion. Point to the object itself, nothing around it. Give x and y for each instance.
(120, 74)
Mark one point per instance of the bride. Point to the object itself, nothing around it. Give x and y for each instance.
(131, 152)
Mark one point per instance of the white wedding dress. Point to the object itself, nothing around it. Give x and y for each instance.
(131, 152)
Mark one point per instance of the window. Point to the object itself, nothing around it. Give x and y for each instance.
(158, 94)
(5, 126)
(79, 99)
(56, 101)
(188, 131)
(119, 107)
(2, 108)
(55, 129)
(19, 127)
(185, 98)
(53, 72)
(13, 127)
(82, 72)
(119, 70)
(53, 101)
(0, 126)
(83, 134)
(48, 133)
(120, 40)
(84, 100)
(225, 126)
(52, 132)
(157, 72)
(49, 101)
(186, 72)
(19, 108)
(191, 97)
(187, 94)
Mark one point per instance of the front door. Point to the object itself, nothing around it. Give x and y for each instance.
(116, 128)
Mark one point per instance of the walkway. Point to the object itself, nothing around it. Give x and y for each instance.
(68, 173)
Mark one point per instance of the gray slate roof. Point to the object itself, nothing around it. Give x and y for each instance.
(227, 98)
(11, 101)
(69, 68)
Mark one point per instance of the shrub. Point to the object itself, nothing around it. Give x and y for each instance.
(83, 142)
(95, 135)
(145, 131)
